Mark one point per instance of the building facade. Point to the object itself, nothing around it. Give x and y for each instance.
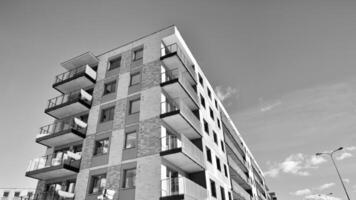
(142, 122)
(17, 193)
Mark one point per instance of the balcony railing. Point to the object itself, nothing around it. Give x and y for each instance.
(240, 192)
(174, 49)
(182, 186)
(86, 69)
(54, 195)
(71, 97)
(60, 126)
(57, 159)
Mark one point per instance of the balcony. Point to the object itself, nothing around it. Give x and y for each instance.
(236, 157)
(62, 132)
(69, 104)
(182, 153)
(75, 79)
(179, 84)
(238, 192)
(181, 188)
(85, 59)
(54, 166)
(180, 117)
(173, 57)
(238, 175)
(260, 188)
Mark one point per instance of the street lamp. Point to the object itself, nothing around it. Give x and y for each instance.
(337, 170)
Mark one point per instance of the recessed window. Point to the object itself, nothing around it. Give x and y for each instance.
(17, 194)
(202, 100)
(208, 155)
(201, 80)
(138, 54)
(218, 164)
(101, 147)
(222, 146)
(130, 140)
(215, 138)
(213, 188)
(206, 127)
(135, 78)
(230, 197)
(209, 93)
(107, 114)
(222, 191)
(129, 178)
(216, 104)
(218, 122)
(134, 106)
(109, 87)
(211, 113)
(114, 63)
(6, 194)
(97, 184)
(29, 194)
(225, 170)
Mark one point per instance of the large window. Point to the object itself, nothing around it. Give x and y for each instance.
(129, 178)
(138, 54)
(114, 63)
(213, 188)
(107, 114)
(110, 87)
(130, 140)
(101, 147)
(97, 184)
(135, 78)
(134, 106)
(222, 191)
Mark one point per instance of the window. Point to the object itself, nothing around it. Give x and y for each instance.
(201, 80)
(211, 113)
(17, 194)
(202, 101)
(230, 198)
(110, 87)
(216, 105)
(225, 170)
(97, 184)
(107, 114)
(222, 191)
(222, 146)
(29, 194)
(138, 54)
(114, 63)
(218, 164)
(134, 106)
(101, 147)
(209, 93)
(215, 138)
(135, 78)
(218, 121)
(130, 140)
(212, 188)
(206, 127)
(6, 194)
(208, 155)
(129, 178)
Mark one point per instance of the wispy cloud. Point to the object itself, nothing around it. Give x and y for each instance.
(302, 192)
(296, 164)
(326, 186)
(350, 148)
(344, 155)
(267, 107)
(225, 93)
(346, 180)
(321, 197)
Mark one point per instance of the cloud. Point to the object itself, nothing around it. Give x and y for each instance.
(344, 155)
(321, 197)
(225, 93)
(326, 186)
(301, 192)
(296, 164)
(350, 148)
(269, 107)
(346, 180)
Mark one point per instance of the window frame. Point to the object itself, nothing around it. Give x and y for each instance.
(131, 103)
(131, 78)
(126, 180)
(114, 59)
(111, 115)
(134, 56)
(112, 85)
(96, 153)
(126, 141)
(99, 178)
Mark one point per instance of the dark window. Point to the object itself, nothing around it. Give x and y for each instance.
(215, 138)
(222, 191)
(230, 198)
(130, 140)
(101, 147)
(134, 106)
(202, 101)
(218, 164)
(225, 170)
(17, 194)
(208, 155)
(6, 194)
(201, 80)
(138, 54)
(129, 178)
(135, 78)
(110, 87)
(218, 121)
(114, 63)
(216, 104)
(29, 194)
(211, 114)
(209, 93)
(107, 114)
(97, 184)
(212, 188)
(222, 146)
(206, 127)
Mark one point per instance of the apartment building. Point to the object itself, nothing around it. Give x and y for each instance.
(17, 193)
(142, 122)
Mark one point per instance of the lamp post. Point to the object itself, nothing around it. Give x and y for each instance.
(337, 170)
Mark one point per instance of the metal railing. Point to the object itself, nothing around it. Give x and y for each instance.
(70, 74)
(172, 74)
(52, 160)
(174, 48)
(64, 125)
(170, 142)
(182, 186)
(70, 97)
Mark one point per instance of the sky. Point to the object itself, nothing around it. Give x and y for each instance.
(286, 71)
